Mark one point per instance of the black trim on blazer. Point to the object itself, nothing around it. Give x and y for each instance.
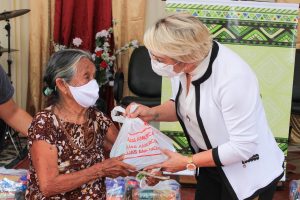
(216, 157)
(227, 183)
(206, 75)
(199, 120)
(181, 122)
(259, 191)
(196, 83)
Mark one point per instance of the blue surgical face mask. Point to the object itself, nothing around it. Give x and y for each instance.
(164, 69)
(86, 95)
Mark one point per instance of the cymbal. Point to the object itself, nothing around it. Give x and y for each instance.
(3, 50)
(14, 13)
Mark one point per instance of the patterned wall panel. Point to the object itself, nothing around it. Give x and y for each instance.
(245, 25)
(298, 2)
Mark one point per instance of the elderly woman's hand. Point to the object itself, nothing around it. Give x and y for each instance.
(114, 167)
(141, 111)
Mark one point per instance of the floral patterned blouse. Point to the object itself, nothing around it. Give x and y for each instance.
(45, 126)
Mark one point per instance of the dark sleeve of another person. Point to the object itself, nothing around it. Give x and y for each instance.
(6, 89)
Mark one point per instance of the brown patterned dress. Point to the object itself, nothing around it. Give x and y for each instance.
(45, 126)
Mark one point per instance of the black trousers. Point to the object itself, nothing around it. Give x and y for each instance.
(211, 187)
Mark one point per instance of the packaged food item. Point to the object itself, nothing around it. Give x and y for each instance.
(115, 188)
(13, 183)
(294, 190)
(130, 184)
(129, 189)
(163, 190)
(148, 194)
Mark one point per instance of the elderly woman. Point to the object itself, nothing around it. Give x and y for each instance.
(235, 155)
(67, 140)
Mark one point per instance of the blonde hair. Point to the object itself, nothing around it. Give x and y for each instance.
(180, 36)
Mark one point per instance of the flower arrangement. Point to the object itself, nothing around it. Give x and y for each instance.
(76, 42)
(103, 56)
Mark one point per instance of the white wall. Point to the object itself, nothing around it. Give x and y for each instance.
(19, 40)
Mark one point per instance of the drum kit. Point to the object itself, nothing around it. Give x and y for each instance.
(7, 15)
(5, 130)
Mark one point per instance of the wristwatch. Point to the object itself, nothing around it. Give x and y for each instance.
(191, 165)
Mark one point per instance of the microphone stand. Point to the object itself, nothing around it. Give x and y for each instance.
(10, 131)
(9, 60)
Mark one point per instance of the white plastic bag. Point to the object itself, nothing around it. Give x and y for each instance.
(140, 143)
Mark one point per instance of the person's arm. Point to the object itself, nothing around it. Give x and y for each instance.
(15, 117)
(177, 162)
(163, 112)
(44, 159)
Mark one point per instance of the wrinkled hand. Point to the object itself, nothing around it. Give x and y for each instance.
(114, 167)
(176, 162)
(143, 112)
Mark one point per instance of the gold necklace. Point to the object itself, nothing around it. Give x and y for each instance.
(86, 132)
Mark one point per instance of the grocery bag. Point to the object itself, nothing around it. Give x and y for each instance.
(140, 143)
(128, 188)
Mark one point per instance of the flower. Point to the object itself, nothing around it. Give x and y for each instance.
(77, 42)
(103, 64)
(58, 47)
(98, 54)
(103, 33)
(135, 43)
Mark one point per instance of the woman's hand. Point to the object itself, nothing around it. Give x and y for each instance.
(141, 111)
(114, 167)
(176, 162)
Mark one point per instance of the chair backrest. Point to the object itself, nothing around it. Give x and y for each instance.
(296, 84)
(142, 80)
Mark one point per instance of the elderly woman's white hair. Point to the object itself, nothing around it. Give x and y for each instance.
(180, 36)
(62, 64)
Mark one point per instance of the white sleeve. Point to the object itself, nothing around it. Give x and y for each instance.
(175, 81)
(241, 108)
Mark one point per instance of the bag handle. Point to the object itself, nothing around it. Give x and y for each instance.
(116, 114)
(118, 111)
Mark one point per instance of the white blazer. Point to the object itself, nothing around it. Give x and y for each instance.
(230, 120)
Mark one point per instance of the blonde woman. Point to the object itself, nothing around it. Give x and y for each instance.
(219, 107)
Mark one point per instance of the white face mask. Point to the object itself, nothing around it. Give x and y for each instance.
(163, 69)
(86, 95)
